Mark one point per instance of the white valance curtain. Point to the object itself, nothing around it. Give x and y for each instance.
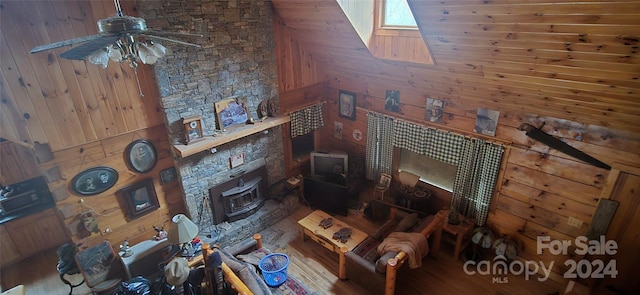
(478, 161)
(306, 120)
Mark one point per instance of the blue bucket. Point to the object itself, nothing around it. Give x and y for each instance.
(274, 269)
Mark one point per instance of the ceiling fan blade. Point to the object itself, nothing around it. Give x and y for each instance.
(178, 34)
(170, 40)
(84, 50)
(65, 43)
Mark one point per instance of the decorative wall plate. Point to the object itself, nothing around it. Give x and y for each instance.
(357, 134)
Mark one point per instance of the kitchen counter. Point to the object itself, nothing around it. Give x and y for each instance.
(4, 218)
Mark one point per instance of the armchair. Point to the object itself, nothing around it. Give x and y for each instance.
(240, 276)
(378, 273)
(101, 267)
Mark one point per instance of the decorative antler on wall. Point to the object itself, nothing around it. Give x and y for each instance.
(541, 136)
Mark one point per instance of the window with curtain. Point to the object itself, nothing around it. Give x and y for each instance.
(430, 170)
(477, 161)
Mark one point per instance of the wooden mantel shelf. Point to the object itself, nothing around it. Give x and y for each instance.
(232, 134)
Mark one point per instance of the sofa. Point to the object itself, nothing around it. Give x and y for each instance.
(373, 265)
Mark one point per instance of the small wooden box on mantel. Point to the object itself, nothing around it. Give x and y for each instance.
(192, 129)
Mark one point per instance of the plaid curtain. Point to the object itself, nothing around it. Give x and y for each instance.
(444, 146)
(411, 136)
(306, 120)
(379, 157)
(440, 145)
(475, 178)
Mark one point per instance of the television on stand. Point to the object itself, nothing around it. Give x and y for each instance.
(327, 188)
(330, 166)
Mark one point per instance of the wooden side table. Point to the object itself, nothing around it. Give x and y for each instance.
(459, 231)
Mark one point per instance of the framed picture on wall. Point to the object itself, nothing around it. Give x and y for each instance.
(140, 156)
(347, 105)
(434, 110)
(337, 129)
(94, 180)
(139, 198)
(392, 101)
(236, 160)
(168, 175)
(486, 121)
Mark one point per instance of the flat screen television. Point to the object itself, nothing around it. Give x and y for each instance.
(331, 166)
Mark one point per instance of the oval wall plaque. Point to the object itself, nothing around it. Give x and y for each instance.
(94, 180)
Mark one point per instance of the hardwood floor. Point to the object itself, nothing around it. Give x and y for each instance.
(316, 267)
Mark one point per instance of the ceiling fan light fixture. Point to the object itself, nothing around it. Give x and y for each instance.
(157, 48)
(149, 51)
(115, 53)
(116, 41)
(100, 57)
(146, 55)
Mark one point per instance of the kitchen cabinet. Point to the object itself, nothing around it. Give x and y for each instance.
(32, 234)
(9, 251)
(18, 163)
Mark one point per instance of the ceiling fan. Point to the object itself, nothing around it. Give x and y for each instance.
(121, 38)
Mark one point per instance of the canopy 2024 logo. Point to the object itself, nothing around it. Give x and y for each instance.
(583, 268)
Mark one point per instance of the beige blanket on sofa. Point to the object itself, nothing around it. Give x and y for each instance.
(414, 244)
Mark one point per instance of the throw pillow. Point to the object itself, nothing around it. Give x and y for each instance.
(385, 229)
(406, 223)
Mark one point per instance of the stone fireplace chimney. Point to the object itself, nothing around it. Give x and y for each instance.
(236, 60)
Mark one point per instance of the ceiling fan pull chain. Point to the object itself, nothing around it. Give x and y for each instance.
(135, 71)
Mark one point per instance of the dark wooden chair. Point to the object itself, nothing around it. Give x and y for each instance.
(103, 270)
(67, 264)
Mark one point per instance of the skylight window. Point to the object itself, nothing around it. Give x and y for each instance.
(397, 14)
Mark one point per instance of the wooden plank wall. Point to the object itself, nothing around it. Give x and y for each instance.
(535, 62)
(86, 115)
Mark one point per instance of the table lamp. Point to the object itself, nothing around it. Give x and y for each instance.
(182, 231)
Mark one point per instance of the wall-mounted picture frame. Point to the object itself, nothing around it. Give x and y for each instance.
(168, 175)
(347, 105)
(94, 180)
(140, 156)
(139, 198)
(236, 160)
(192, 129)
(337, 129)
(486, 121)
(392, 101)
(434, 110)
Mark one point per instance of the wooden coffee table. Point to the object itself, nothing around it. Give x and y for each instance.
(310, 227)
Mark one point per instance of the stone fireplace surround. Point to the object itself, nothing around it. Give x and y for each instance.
(230, 233)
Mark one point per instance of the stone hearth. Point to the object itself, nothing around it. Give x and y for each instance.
(229, 233)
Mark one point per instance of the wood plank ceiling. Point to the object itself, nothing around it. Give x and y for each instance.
(576, 61)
